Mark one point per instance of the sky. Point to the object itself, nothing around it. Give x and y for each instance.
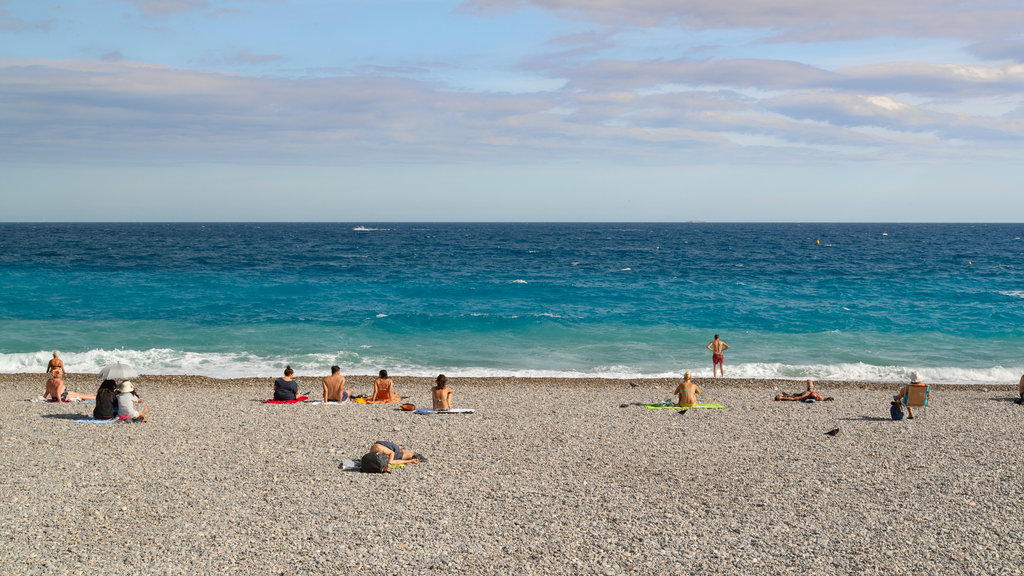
(512, 110)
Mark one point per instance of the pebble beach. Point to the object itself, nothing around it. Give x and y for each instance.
(549, 476)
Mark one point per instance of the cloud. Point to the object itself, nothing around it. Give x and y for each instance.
(1005, 49)
(792, 20)
(654, 112)
(18, 25)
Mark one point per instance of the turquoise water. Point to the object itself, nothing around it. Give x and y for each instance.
(847, 301)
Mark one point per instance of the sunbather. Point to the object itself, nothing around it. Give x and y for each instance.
(809, 394)
(1020, 389)
(395, 453)
(126, 400)
(56, 390)
(106, 401)
(904, 394)
(687, 392)
(441, 394)
(334, 386)
(56, 363)
(286, 388)
(383, 389)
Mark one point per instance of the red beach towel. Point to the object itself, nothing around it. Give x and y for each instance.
(296, 401)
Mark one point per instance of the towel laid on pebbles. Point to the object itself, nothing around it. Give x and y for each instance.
(296, 401)
(708, 405)
(452, 411)
(328, 403)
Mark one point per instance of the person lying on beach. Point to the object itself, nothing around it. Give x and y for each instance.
(384, 389)
(126, 400)
(334, 386)
(55, 389)
(395, 453)
(286, 388)
(56, 364)
(904, 394)
(687, 392)
(809, 394)
(106, 401)
(441, 394)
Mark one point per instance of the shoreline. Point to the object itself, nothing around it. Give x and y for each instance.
(422, 382)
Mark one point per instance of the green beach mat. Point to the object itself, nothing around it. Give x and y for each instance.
(709, 406)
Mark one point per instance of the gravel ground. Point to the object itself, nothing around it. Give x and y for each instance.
(547, 477)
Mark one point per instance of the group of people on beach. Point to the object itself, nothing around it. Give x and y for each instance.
(112, 400)
(286, 389)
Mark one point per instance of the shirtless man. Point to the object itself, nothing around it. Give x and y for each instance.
(718, 349)
(811, 394)
(334, 386)
(55, 389)
(56, 363)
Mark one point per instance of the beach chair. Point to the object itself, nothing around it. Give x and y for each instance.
(917, 399)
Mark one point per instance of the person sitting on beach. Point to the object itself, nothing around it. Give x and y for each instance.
(126, 400)
(1020, 389)
(904, 394)
(58, 393)
(106, 401)
(808, 395)
(56, 364)
(687, 392)
(286, 388)
(395, 453)
(441, 394)
(384, 389)
(334, 386)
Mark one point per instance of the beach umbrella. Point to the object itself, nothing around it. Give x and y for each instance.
(117, 371)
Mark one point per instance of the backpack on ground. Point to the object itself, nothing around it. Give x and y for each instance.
(373, 462)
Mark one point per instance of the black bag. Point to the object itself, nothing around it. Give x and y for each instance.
(896, 410)
(373, 462)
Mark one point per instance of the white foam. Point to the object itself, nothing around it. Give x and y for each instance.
(162, 361)
(519, 281)
(1013, 293)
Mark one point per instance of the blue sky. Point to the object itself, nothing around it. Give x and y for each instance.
(511, 110)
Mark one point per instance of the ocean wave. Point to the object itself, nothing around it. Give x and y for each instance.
(164, 361)
(1012, 293)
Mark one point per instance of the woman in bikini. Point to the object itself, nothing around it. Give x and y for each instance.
(441, 394)
(384, 389)
(687, 392)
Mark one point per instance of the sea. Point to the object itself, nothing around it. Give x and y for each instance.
(792, 300)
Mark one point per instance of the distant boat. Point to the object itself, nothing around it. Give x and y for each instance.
(364, 229)
(885, 233)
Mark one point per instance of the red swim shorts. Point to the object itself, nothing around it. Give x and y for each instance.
(717, 358)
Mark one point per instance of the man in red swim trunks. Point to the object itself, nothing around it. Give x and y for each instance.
(718, 349)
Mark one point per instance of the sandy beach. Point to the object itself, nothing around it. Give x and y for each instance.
(547, 477)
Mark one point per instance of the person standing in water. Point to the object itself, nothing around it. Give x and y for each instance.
(718, 349)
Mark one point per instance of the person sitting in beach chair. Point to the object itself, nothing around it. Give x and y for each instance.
(809, 395)
(58, 393)
(126, 400)
(441, 394)
(334, 386)
(687, 392)
(383, 390)
(913, 395)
